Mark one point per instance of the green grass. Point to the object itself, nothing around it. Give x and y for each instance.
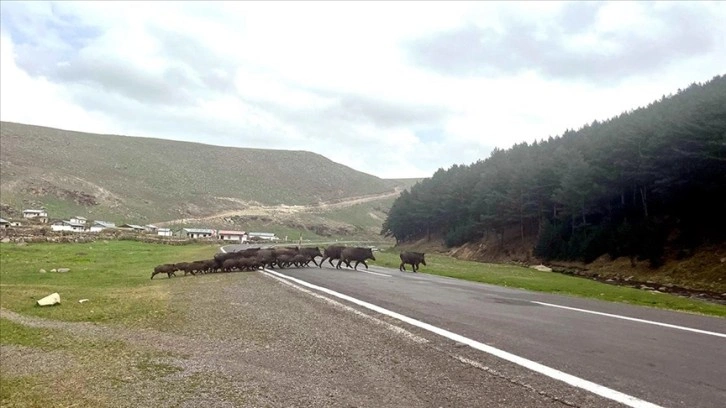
(18, 334)
(12, 333)
(58, 208)
(113, 275)
(549, 282)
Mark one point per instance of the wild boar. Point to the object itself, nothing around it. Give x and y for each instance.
(413, 259)
(357, 254)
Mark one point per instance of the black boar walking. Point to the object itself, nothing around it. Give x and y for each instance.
(311, 252)
(168, 269)
(413, 259)
(330, 253)
(356, 254)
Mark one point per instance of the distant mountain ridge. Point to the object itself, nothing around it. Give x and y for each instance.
(135, 178)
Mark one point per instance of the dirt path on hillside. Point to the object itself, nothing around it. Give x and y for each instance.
(250, 208)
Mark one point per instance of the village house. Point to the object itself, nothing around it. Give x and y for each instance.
(99, 226)
(78, 220)
(151, 228)
(132, 227)
(63, 225)
(164, 232)
(236, 236)
(198, 232)
(40, 215)
(4, 223)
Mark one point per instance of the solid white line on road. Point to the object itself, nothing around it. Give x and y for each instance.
(389, 326)
(529, 364)
(672, 326)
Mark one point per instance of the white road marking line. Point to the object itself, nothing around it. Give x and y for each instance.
(529, 364)
(377, 273)
(389, 326)
(672, 326)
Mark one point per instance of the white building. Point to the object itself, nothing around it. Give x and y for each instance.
(99, 226)
(164, 232)
(236, 236)
(67, 226)
(36, 214)
(198, 232)
(268, 236)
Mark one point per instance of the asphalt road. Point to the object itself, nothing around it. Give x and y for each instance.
(651, 356)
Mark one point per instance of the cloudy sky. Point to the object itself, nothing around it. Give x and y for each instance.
(391, 89)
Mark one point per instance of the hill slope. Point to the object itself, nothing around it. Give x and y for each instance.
(134, 179)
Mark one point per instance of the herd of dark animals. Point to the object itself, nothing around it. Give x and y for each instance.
(252, 259)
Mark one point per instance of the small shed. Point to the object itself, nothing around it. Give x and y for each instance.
(4, 223)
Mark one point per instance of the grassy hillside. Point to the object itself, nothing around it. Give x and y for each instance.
(134, 179)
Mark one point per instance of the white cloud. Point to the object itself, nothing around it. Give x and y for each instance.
(38, 101)
(342, 79)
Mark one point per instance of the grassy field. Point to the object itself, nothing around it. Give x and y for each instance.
(113, 275)
(531, 279)
(82, 370)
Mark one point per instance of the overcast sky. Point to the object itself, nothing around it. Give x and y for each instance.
(391, 89)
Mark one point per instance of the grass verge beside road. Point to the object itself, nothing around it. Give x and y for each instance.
(549, 282)
(112, 275)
